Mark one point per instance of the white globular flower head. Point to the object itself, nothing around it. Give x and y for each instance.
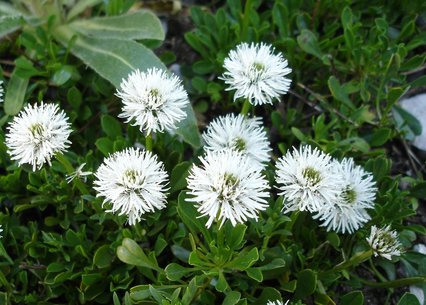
(239, 133)
(277, 302)
(306, 180)
(37, 133)
(256, 73)
(1, 91)
(153, 100)
(227, 185)
(133, 182)
(384, 242)
(357, 194)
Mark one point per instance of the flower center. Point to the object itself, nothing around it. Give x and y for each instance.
(349, 195)
(255, 72)
(38, 133)
(132, 179)
(239, 144)
(311, 175)
(154, 100)
(229, 186)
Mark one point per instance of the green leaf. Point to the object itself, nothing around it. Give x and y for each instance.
(141, 24)
(80, 7)
(190, 217)
(61, 76)
(105, 145)
(339, 93)
(309, 43)
(111, 126)
(255, 274)
(221, 284)
(405, 121)
(419, 82)
(419, 190)
(244, 260)
(9, 24)
(408, 299)
(74, 97)
(188, 128)
(232, 298)
(352, 298)
(175, 272)
(380, 136)
(113, 59)
(178, 176)
(15, 94)
(115, 299)
(190, 291)
(306, 284)
(131, 253)
(235, 235)
(269, 294)
(103, 257)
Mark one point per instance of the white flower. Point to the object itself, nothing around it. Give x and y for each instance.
(384, 242)
(153, 100)
(37, 133)
(132, 182)
(239, 133)
(277, 302)
(306, 180)
(1, 91)
(357, 193)
(256, 73)
(1, 230)
(78, 174)
(227, 185)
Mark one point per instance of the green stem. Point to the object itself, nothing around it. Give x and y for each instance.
(246, 107)
(220, 236)
(148, 142)
(354, 260)
(246, 19)
(395, 283)
(376, 272)
(70, 169)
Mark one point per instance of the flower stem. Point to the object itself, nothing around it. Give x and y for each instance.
(246, 19)
(393, 284)
(148, 142)
(354, 260)
(246, 107)
(69, 169)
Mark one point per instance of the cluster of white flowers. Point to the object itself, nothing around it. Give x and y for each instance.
(338, 192)
(384, 242)
(228, 184)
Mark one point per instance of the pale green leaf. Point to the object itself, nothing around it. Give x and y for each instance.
(80, 7)
(137, 25)
(9, 24)
(15, 94)
(113, 59)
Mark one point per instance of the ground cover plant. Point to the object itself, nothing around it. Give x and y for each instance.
(242, 152)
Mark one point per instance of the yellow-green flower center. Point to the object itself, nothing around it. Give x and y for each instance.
(312, 176)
